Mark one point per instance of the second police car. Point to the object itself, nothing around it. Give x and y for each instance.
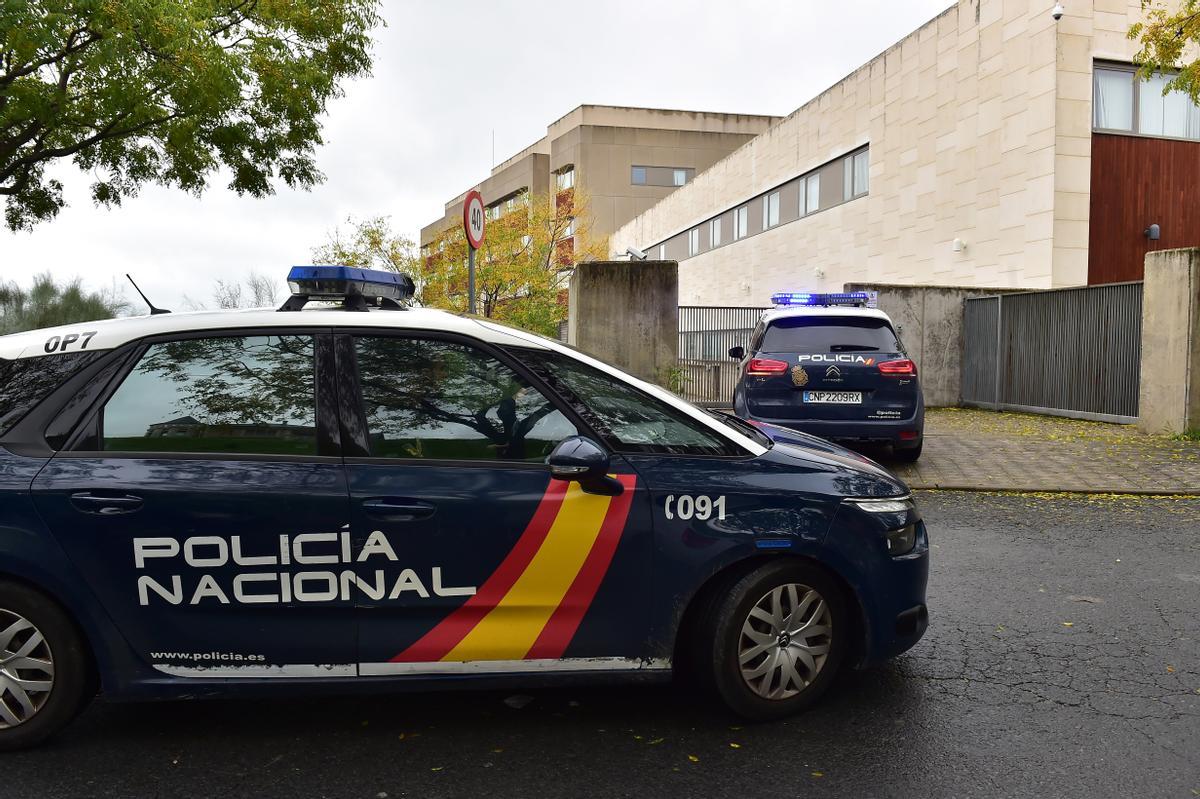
(828, 365)
(261, 501)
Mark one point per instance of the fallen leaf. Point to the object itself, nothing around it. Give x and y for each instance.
(655, 741)
(693, 758)
(1170, 669)
(1068, 624)
(437, 768)
(497, 751)
(735, 746)
(818, 774)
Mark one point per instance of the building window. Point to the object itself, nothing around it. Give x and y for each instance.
(741, 222)
(856, 171)
(1123, 103)
(569, 231)
(639, 176)
(566, 179)
(714, 233)
(694, 241)
(662, 252)
(771, 210)
(679, 176)
(811, 198)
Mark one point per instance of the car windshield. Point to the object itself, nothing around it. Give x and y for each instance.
(829, 334)
(741, 426)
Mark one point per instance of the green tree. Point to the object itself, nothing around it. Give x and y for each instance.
(371, 244)
(47, 304)
(168, 91)
(1169, 37)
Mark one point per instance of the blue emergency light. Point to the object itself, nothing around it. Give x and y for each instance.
(857, 299)
(357, 288)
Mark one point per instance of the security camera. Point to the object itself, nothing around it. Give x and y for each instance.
(1057, 12)
(635, 254)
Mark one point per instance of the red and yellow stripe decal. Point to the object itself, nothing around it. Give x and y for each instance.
(533, 603)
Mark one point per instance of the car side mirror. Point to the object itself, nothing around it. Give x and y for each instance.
(582, 460)
(737, 353)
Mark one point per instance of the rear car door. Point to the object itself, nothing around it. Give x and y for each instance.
(827, 367)
(473, 559)
(204, 501)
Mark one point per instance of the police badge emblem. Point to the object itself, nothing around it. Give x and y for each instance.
(799, 376)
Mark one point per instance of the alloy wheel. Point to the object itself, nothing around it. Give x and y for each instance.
(785, 641)
(26, 669)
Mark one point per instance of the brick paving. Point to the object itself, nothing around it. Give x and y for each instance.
(990, 451)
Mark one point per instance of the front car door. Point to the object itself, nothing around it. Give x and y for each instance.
(474, 561)
(205, 503)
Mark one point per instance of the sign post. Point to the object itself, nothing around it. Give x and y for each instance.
(473, 226)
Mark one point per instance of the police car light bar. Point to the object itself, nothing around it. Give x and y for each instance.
(858, 299)
(357, 288)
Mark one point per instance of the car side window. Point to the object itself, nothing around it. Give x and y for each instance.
(628, 419)
(442, 400)
(232, 394)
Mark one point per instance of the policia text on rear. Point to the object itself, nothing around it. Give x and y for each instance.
(363, 496)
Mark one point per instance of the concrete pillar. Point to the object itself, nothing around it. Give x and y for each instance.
(627, 313)
(1169, 391)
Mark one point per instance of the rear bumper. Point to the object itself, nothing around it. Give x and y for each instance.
(902, 433)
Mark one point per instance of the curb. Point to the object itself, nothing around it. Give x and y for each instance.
(1136, 492)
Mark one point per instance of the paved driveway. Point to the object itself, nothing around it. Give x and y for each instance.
(1063, 659)
(985, 450)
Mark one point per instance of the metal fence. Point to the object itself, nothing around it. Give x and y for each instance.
(1068, 352)
(707, 373)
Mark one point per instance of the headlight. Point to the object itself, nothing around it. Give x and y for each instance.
(899, 519)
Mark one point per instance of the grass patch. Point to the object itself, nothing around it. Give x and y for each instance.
(1189, 435)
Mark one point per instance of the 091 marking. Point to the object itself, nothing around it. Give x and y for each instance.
(699, 507)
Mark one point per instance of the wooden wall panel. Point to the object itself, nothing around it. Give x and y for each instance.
(1137, 181)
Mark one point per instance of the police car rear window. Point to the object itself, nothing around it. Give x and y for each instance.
(627, 419)
(26, 382)
(829, 334)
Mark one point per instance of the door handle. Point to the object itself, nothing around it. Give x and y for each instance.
(105, 505)
(397, 509)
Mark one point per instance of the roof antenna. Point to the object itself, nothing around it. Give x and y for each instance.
(153, 311)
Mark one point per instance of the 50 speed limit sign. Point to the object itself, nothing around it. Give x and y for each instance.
(473, 219)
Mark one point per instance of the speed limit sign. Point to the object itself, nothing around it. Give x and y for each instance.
(473, 219)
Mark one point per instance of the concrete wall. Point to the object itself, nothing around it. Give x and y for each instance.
(1169, 391)
(627, 313)
(979, 128)
(930, 319)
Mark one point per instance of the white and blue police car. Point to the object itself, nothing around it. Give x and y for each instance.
(355, 494)
(832, 366)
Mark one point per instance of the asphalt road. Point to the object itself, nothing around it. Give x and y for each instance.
(1063, 659)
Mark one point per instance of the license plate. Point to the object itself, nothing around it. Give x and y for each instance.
(834, 397)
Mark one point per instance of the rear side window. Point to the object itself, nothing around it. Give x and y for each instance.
(236, 394)
(829, 334)
(627, 419)
(26, 382)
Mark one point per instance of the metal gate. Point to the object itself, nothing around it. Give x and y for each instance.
(706, 372)
(1067, 352)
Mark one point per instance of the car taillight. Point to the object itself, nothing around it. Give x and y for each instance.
(766, 366)
(903, 367)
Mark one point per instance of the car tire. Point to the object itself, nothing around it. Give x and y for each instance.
(35, 631)
(763, 680)
(908, 455)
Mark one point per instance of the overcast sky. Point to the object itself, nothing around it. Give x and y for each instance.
(419, 131)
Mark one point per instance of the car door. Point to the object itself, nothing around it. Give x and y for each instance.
(204, 501)
(473, 559)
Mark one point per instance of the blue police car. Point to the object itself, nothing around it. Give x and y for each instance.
(355, 494)
(828, 365)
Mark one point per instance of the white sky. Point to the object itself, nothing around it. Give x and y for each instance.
(419, 131)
